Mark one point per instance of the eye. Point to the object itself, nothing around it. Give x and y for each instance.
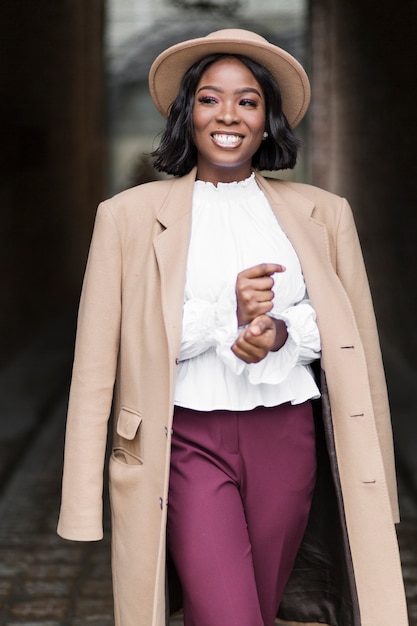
(248, 102)
(207, 100)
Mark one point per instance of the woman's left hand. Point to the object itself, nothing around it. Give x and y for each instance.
(264, 334)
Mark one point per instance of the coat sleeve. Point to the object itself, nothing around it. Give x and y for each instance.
(91, 392)
(351, 270)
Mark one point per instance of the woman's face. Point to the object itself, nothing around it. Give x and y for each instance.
(229, 121)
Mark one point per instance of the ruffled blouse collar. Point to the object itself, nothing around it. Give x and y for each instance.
(241, 186)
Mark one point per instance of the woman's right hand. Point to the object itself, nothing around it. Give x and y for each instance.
(263, 335)
(254, 293)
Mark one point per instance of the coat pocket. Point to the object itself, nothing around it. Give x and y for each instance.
(126, 448)
(125, 457)
(128, 423)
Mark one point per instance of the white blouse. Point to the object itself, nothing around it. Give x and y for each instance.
(234, 228)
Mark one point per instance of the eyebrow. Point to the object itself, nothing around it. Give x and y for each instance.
(237, 92)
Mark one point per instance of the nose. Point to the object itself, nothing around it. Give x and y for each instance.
(228, 114)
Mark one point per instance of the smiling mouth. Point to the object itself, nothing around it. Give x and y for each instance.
(226, 140)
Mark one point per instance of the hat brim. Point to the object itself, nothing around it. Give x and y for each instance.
(169, 67)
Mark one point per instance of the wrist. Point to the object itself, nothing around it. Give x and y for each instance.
(281, 334)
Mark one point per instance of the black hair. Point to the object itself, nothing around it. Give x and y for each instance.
(177, 153)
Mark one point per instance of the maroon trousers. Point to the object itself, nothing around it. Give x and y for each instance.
(241, 485)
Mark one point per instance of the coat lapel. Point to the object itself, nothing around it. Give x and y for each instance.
(308, 235)
(171, 249)
(311, 242)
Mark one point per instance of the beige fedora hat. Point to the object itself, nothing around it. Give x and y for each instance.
(170, 66)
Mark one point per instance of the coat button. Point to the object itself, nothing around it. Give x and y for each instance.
(177, 361)
(161, 503)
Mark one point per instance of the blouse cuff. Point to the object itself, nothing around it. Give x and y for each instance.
(197, 324)
(211, 325)
(301, 348)
(227, 331)
(276, 366)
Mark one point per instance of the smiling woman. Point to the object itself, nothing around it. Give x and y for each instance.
(177, 152)
(229, 121)
(226, 320)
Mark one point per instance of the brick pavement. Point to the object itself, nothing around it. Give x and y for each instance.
(45, 580)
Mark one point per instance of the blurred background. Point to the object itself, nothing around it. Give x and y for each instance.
(77, 123)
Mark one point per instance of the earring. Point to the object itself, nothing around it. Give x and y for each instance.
(265, 135)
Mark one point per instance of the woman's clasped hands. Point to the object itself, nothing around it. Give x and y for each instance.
(261, 333)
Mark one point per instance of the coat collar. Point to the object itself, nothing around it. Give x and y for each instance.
(309, 237)
(293, 210)
(295, 214)
(283, 198)
(178, 202)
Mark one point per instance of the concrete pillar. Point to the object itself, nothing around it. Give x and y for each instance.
(52, 156)
(364, 135)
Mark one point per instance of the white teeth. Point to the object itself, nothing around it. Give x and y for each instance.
(227, 140)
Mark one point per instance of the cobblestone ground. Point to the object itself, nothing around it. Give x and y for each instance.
(47, 581)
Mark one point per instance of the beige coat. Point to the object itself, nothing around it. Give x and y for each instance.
(128, 340)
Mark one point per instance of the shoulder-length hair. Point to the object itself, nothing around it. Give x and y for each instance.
(177, 153)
